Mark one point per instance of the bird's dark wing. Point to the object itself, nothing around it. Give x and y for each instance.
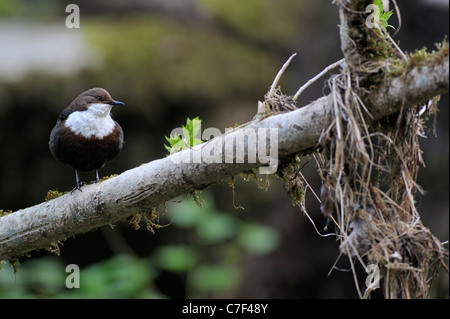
(67, 111)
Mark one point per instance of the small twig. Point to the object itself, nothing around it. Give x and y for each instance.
(444, 265)
(402, 54)
(314, 226)
(314, 79)
(279, 74)
(399, 17)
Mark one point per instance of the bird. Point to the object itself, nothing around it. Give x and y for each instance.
(85, 135)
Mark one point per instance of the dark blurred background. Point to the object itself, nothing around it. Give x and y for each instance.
(169, 60)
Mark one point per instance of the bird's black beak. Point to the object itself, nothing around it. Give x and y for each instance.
(117, 103)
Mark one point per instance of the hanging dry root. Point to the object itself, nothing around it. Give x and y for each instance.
(369, 182)
(151, 219)
(369, 171)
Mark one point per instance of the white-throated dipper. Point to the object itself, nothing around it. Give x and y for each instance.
(85, 135)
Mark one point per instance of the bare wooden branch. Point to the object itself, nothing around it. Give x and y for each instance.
(154, 183)
(315, 78)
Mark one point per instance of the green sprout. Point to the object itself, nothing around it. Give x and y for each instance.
(384, 16)
(188, 139)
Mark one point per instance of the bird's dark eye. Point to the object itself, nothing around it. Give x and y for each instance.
(99, 98)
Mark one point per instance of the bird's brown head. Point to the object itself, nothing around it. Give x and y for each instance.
(95, 96)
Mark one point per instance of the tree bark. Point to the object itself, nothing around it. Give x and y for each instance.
(149, 185)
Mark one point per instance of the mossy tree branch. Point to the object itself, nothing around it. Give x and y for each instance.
(147, 186)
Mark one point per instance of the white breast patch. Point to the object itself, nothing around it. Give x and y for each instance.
(94, 122)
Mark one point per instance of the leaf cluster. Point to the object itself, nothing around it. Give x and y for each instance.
(188, 138)
(384, 16)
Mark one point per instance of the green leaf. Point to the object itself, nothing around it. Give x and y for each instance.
(189, 138)
(168, 148)
(191, 130)
(176, 258)
(188, 124)
(121, 276)
(173, 139)
(384, 16)
(258, 239)
(216, 227)
(214, 278)
(196, 126)
(187, 213)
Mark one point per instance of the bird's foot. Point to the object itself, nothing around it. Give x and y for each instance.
(95, 181)
(78, 186)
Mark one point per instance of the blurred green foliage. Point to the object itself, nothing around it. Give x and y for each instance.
(214, 278)
(211, 261)
(35, 9)
(118, 277)
(6, 8)
(269, 21)
(175, 258)
(167, 58)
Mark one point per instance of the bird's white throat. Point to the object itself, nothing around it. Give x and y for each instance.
(94, 122)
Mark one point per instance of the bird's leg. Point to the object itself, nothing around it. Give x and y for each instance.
(79, 183)
(96, 178)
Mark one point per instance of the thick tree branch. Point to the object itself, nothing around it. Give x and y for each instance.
(410, 88)
(154, 183)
